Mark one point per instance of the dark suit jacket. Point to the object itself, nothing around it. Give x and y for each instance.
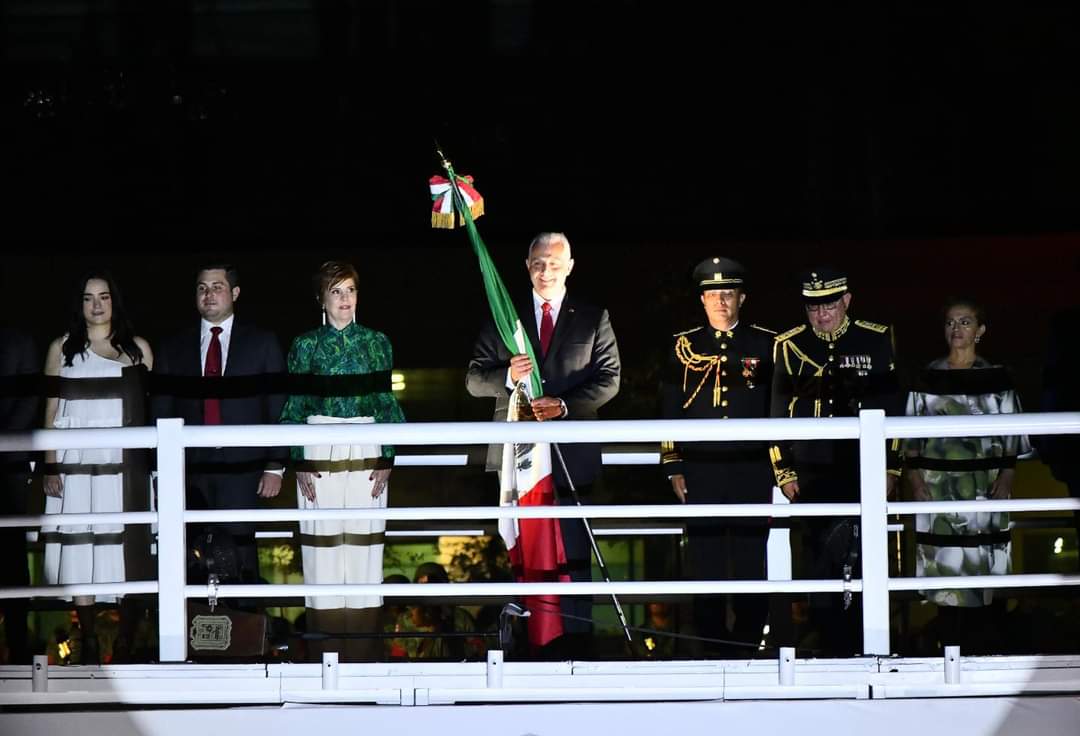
(252, 352)
(19, 404)
(581, 368)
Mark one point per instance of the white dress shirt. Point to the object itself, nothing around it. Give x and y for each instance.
(538, 314)
(538, 308)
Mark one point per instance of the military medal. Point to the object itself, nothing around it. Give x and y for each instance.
(749, 370)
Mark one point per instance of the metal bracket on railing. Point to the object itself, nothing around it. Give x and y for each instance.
(847, 587)
(212, 585)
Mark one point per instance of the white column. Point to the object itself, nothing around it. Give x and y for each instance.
(778, 546)
(875, 559)
(952, 665)
(172, 568)
(330, 671)
(39, 674)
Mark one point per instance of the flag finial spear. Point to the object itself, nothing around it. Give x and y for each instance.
(442, 156)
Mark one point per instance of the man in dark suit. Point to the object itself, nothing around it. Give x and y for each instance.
(579, 368)
(19, 411)
(221, 346)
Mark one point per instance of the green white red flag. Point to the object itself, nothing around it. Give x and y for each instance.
(535, 546)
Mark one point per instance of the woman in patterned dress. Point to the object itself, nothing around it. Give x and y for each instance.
(963, 468)
(342, 476)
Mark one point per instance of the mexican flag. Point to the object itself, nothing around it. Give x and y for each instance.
(535, 545)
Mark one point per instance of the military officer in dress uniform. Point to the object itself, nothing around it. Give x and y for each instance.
(718, 370)
(831, 366)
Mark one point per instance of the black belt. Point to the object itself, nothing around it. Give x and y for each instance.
(760, 454)
(347, 538)
(963, 540)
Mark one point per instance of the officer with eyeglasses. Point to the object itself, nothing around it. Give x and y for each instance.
(831, 366)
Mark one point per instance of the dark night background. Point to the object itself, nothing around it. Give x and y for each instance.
(928, 150)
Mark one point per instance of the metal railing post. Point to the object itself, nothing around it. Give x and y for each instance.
(873, 532)
(778, 544)
(172, 567)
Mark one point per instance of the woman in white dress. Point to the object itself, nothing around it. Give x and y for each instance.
(99, 344)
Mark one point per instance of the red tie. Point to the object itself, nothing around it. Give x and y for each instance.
(547, 327)
(212, 407)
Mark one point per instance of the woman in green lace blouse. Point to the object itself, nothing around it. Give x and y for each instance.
(356, 362)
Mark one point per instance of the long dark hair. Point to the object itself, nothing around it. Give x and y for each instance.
(122, 336)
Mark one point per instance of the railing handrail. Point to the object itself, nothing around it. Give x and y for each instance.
(467, 590)
(457, 513)
(600, 431)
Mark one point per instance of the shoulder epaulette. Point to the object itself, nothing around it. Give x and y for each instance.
(872, 326)
(790, 333)
(764, 329)
(687, 332)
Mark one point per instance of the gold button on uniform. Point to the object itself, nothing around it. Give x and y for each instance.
(723, 403)
(723, 388)
(723, 358)
(723, 373)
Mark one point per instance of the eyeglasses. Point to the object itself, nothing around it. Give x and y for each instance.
(830, 307)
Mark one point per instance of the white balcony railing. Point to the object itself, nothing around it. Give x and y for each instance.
(171, 437)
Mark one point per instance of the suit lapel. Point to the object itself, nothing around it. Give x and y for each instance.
(236, 349)
(192, 356)
(563, 327)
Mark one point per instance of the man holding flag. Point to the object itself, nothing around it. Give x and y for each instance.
(578, 360)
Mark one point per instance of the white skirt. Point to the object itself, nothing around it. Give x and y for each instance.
(337, 552)
(86, 553)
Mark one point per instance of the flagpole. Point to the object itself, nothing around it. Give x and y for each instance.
(595, 548)
(463, 212)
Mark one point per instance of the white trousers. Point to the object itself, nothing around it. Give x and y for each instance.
(336, 552)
